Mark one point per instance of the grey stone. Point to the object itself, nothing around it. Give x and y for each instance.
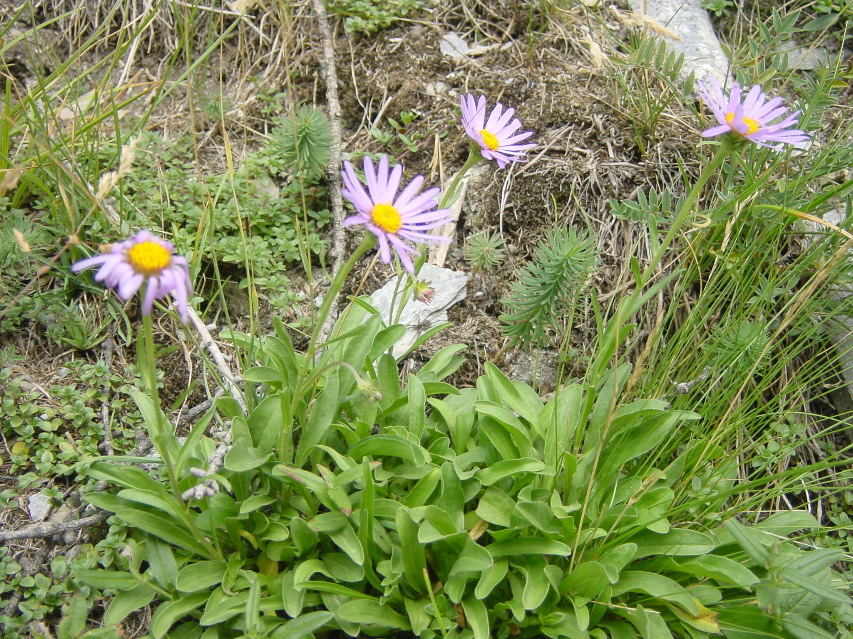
(38, 506)
(703, 54)
(419, 317)
(453, 46)
(804, 58)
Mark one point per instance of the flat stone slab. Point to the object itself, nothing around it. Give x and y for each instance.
(703, 54)
(419, 317)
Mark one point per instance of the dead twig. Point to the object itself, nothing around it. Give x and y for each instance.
(211, 347)
(50, 529)
(330, 76)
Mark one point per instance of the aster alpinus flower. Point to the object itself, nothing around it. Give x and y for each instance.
(496, 136)
(393, 218)
(143, 259)
(753, 118)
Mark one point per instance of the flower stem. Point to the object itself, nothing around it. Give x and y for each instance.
(450, 195)
(367, 243)
(149, 372)
(160, 436)
(727, 145)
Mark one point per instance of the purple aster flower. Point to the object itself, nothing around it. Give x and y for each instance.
(390, 217)
(143, 259)
(495, 136)
(753, 118)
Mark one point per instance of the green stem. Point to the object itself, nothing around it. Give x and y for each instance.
(727, 145)
(450, 195)
(367, 243)
(149, 371)
(161, 435)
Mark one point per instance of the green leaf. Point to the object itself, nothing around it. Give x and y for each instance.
(347, 540)
(200, 575)
(162, 562)
(168, 613)
(528, 546)
(496, 507)
(304, 538)
(648, 623)
(678, 541)
(536, 584)
(74, 616)
(242, 457)
(822, 22)
(558, 422)
(324, 411)
(122, 475)
(158, 429)
(262, 375)
(802, 628)
(414, 559)
(126, 601)
(265, 423)
(107, 579)
(517, 396)
(787, 522)
(160, 500)
(814, 561)
(384, 340)
(490, 578)
(163, 529)
(750, 540)
(222, 606)
(509, 468)
(389, 446)
(719, 568)
(423, 490)
(815, 587)
(418, 615)
(342, 567)
(416, 406)
(255, 502)
(748, 622)
(189, 446)
(302, 626)
(333, 588)
(517, 431)
(656, 586)
(587, 580)
(473, 558)
(372, 613)
(477, 617)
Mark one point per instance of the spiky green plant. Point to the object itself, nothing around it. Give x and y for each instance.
(484, 250)
(545, 291)
(305, 141)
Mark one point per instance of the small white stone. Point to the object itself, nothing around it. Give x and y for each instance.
(39, 506)
(453, 46)
(418, 317)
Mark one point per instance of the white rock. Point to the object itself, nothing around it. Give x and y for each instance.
(39, 506)
(453, 46)
(804, 58)
(418, 317)
(703, 54)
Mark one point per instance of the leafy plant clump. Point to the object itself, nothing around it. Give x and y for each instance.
(368, 17)
(363, 503)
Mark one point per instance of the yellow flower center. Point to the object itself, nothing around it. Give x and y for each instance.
(386, 217)
(490, 140)
(148, 258)
(752, 125)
